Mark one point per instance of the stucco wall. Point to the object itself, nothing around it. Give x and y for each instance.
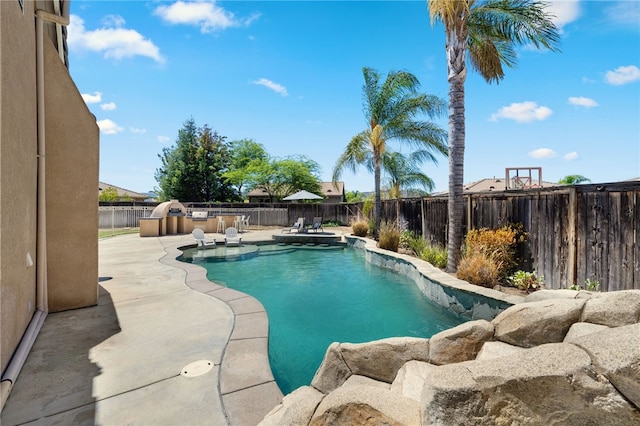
(72, 180)
(18, 144)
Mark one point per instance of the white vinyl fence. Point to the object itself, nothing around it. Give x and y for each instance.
(114, 217)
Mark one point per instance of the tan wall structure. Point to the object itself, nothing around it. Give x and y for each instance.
(49, 159)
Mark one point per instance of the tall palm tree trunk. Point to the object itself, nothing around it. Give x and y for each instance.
(378, 203)
(456, 172)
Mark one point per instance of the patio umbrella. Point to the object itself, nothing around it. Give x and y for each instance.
(302, 195)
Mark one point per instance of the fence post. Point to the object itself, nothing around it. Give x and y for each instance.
(469, 224)
(571, 231)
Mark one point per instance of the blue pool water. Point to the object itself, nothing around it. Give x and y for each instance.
(318, 295)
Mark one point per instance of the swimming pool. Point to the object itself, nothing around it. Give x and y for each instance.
(318, 295)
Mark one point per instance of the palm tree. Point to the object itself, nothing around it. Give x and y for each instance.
(403, 172)
(489, 30)
(391, 109)
(573, 180)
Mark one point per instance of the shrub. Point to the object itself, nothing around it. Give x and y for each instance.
(527, 281)
(435, 255)
(406, 238)
(389, 238)
(360, 228)
(498, 245)
(479, 269)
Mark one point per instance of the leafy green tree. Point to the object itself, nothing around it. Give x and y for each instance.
(246, 155)
(573, 180)
(391, 109)
(192, 169)
(282, 177)
(108, 194)
(403, 173)
(489, 31)
(354, 196)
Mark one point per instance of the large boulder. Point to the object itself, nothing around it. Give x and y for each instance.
(580, 329)
(549, 384)
(461, 343)
(333, 371)
(410, 379)
(366, 405)
(295, 409)
(613, 309)
(497, 349)
(536, 323)
(615, 353)
(381, 359)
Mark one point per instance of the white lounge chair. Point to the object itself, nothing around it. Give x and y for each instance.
(231, 237)
(296, 227)
(198, 235)
(245, 223)
(317, 224)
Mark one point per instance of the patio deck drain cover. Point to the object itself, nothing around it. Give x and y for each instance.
(196, 368)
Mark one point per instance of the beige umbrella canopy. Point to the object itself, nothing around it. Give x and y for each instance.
(302, 195)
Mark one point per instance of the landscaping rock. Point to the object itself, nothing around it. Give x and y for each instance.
(539, 295)
(613, 309)
(410, 379)
(536, 323)
(549, 384)
(333, 371)
(615, 352)
(461, 343)
(381, 359)
(355, 380)
(492, 350)
(580, 329)
(366, 405)
(295, 409)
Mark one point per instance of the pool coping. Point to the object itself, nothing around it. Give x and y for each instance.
(460, 297)
(246, 386)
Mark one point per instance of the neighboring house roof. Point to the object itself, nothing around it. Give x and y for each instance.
(490, 185)
(122, 193)
(330, 189)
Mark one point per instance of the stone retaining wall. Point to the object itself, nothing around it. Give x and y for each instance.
(467, 300)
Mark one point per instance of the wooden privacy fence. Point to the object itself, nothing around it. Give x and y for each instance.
(575, 233)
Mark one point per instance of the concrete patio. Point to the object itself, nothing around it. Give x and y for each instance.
(163, 346)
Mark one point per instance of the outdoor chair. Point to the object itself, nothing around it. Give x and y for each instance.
(203, 243)
(297, 227)
(245, 223)
(231, 237)
(221, 225)
(317, 224)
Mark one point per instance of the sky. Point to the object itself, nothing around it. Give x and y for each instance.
(288, 74)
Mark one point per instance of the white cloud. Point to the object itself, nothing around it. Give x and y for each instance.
(582, 101)
(111, 40)
(542, 153)
(570, 156)
(163, 139)
(207, 15)
(624, 13)
(522, 112)
(108, 127)
(136, 130)
(564, 11)
(92, 99)
(278, 88)
(623, 75)
(109, 106)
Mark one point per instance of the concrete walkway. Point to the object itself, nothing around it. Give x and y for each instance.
(164, 346)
